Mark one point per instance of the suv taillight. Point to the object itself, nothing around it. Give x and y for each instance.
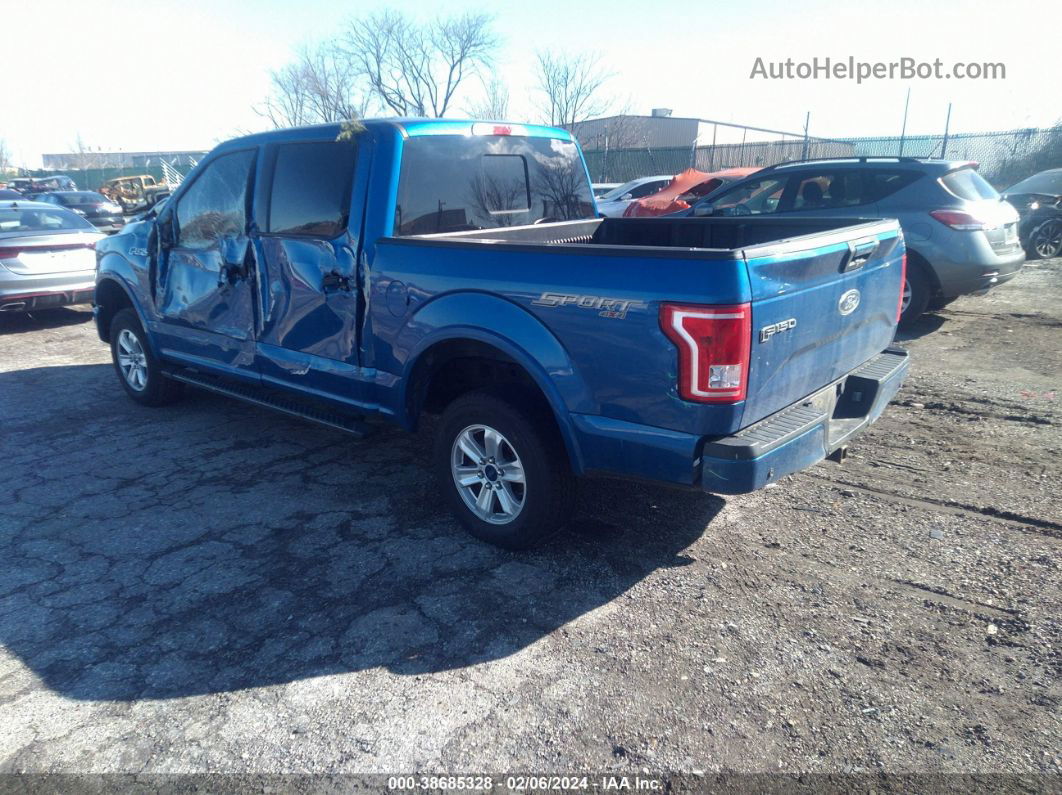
(957, 219)
(903, 283)
(714, 347)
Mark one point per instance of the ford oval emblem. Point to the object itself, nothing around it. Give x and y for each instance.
(849, 302)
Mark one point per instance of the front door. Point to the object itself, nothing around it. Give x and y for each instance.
(205, 288)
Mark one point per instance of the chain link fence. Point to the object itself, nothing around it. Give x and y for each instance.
(1004, 156)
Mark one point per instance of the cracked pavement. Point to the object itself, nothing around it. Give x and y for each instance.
(211, 587)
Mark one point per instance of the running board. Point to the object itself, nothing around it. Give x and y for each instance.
(341, 422)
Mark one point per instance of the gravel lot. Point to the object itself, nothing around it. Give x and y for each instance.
(211, 587)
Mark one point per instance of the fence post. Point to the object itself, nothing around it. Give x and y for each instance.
(944, 143)
(903, 130)
(807, 121)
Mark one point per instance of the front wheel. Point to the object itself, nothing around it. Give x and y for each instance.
(138, 369)
(1046, 239)
(503, 470)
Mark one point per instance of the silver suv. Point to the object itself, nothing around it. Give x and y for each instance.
(962, 236)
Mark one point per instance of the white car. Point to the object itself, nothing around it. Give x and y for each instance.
(613, 203)
(47, 256)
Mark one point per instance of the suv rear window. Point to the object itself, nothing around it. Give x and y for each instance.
(452, 183)
(965, 183)
(311, 188)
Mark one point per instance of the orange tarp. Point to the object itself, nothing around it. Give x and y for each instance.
(691, 180)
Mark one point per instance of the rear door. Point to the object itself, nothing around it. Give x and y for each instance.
(205, 276)
(308, 248)
(822, 305)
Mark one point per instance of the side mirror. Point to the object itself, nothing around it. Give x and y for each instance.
(626, 197)
(703, 209)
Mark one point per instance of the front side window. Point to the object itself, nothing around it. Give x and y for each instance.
(311, 188)
(755, 197)
(215, 206)
(648, 189)
(451, 183)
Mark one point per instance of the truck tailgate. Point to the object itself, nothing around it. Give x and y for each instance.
(820, 308)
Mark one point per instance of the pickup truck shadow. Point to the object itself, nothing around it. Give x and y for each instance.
(212, 546)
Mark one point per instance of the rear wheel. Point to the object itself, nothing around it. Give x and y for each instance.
(138, 370)
(917, 291)
(1046, 239)
(503, 470)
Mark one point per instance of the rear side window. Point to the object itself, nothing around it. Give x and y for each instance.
(829, 190)
(452, 183)
(215, 206)
(966, 183)
(883, 184)
(311, 188)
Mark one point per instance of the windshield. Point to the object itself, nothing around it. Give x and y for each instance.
(1049, 182)
(966, 183)
(452, 183)
(19, 220)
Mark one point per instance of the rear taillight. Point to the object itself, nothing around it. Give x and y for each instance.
(957, 219)
(714, 346)
(9, 253)
(903, 284)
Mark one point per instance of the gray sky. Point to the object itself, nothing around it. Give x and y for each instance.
(77, 66)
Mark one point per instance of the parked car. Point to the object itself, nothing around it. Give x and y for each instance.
(601, 188)
(46, 256)
(7, 194)
(33, 186)
(684, 190)
(134, 193)
(20, 184)
(613, 203)
(961, 235)
(719, 354)
(1038, 200)
(97, 209)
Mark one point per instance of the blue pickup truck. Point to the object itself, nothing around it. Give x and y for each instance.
(399, 268)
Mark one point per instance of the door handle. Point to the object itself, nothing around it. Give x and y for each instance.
(334, 280)
(859, 251)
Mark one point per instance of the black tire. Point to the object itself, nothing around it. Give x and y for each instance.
(157, 389)
(529, 435)
(921, 293)
(1045, 242)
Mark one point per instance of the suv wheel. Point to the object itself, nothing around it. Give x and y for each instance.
(917, 290)
(138, 370)
(503, 470)
(1046, 239)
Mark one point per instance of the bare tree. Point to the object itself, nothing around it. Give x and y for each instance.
(80, 153)
(572, 86)
(321, 85)
(416, 69)
(495, 102)
(5, 157)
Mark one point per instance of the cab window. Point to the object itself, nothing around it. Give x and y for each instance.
(311, 187)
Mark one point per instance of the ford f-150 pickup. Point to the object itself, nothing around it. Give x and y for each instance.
(459, 269)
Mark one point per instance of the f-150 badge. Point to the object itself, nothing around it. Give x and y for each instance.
(605, 307)
(776, 328)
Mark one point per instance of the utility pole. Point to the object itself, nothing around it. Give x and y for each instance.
(903, 131)
(947, 124)
(807, 121)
